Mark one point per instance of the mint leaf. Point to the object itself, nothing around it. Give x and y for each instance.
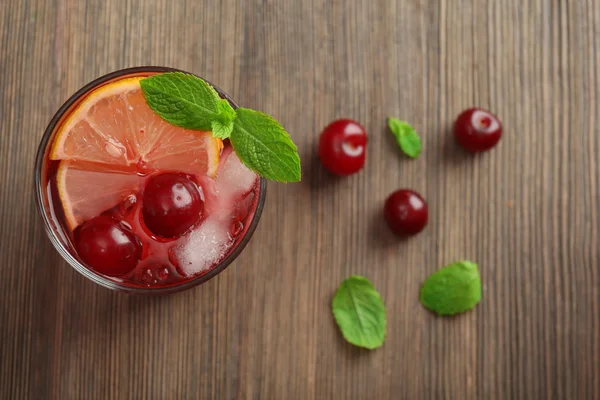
(264, 146)
(184, 100)
(226, 112)
(222, 126)
(221, 130)
(360, 313)
(453, 289)
(406, 136)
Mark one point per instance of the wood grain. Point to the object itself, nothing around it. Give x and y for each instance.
(528, 212)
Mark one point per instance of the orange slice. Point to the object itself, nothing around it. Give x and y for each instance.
(86, 192)
(109, 137)
(115, 126)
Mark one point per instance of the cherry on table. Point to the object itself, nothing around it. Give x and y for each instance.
(171, 204)
(108, 246)
(477, 130)
(406, 212)
(342, 147)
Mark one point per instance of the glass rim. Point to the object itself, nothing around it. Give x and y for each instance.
(60, 246)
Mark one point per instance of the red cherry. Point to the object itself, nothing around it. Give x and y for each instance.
(108, 246)
(342, 147)
(405, 212)
(171, 204)
(477, 130)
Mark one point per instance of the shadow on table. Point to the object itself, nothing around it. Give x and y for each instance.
(315, 174)
(452, 152)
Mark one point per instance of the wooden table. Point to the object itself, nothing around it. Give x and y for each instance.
(528, 212)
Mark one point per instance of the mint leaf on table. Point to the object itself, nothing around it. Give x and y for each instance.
(264, 146)
(360, 313)
(407, 138)
(185, 100)
(453, 289)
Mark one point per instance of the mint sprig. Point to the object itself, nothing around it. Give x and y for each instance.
(264, 146)
(221, 130)
(407, 138)
(453, 289)
(260, 142)
(360, 313)
(184, 100)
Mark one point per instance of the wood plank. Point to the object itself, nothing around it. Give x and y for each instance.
(528, 212)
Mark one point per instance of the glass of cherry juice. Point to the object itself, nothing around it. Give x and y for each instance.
(134, 203)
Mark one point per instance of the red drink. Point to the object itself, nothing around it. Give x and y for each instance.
(137, 204)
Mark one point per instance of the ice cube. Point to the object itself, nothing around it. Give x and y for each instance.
(234, 179)
(242, 207)
(204, 247)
